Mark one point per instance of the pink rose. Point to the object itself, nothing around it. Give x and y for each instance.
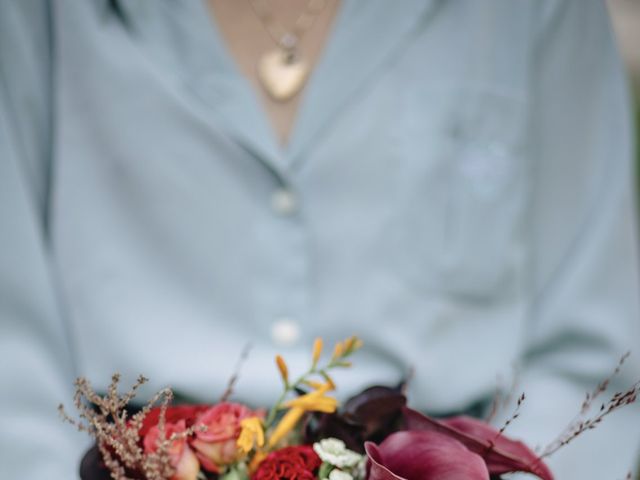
(216, 446)
(183, 460)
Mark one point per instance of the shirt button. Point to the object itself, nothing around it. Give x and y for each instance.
(284, 201)
(285, 332)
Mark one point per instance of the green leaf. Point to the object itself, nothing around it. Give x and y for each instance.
(237, 472)
(325, 470)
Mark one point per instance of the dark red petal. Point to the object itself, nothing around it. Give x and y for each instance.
(501, 454)
(423, 455)
(374, 407)
(375, 467)
(173, 414)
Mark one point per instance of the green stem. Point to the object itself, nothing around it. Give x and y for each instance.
(288, 388)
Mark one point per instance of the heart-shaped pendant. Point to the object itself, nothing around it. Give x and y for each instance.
(281, 74)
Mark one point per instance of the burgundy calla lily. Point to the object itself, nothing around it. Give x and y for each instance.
(371, 415)
(501, 454)
(423, 455)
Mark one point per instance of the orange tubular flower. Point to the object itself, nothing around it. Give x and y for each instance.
(315, 401)
(282, 367)
(317, 350)
(286, 424)
(338, 350)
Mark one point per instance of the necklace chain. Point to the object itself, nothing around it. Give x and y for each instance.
(288, 39)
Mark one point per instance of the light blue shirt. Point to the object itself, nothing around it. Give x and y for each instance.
(457, 191)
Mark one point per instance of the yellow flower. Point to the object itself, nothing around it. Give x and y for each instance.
(338, 350)
(329, 380)
(315, 401)
(317, 350)
(346, 347)
(352, 344)
(286, 424)
(282, 366)
(251, 435)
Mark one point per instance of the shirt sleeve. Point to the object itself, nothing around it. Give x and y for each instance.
(584, 312)
(35, 361)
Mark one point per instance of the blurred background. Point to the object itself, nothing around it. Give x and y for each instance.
(626, 21)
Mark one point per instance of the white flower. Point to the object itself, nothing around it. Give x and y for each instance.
(360, 470)
(335, 452)
(339, 475)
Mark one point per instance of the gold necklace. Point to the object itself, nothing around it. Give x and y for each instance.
(282, 71)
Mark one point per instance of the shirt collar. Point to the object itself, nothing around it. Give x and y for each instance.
(366, 34)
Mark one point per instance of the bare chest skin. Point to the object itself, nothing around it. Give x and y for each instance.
(247, 40)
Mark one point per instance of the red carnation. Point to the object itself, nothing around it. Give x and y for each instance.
(289, 463)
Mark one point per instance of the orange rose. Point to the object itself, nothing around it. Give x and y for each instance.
(216, 446)
(183, 460)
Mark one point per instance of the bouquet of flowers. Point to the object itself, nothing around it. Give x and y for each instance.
(305, 436)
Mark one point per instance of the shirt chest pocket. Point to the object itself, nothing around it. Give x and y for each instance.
(464, 173)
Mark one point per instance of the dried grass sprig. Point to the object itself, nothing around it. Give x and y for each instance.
(514, 415)
(602, 386)
(581, 423)
(106, 419)
(503, 397)
(236, 373)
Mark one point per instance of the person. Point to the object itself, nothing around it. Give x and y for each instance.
(451, 181)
